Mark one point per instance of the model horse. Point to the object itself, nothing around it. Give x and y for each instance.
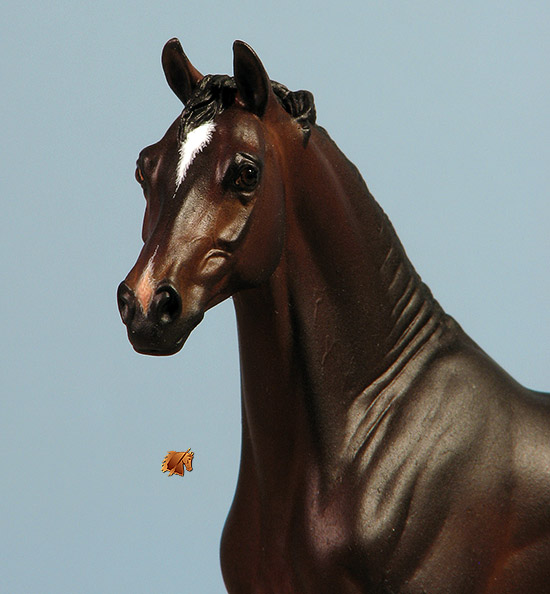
(382, 450)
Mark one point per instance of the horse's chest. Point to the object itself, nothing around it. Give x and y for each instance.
(288, 547)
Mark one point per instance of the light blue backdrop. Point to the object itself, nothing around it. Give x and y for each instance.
(443, 107)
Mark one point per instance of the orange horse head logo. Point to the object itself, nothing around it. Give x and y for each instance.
(175, 462)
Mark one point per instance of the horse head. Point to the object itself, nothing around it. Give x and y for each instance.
(214, 188)
(188, 460)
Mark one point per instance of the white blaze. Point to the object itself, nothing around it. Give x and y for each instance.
(146, 284)
(193, 144)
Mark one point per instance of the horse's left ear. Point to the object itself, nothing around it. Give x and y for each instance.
(252, 81)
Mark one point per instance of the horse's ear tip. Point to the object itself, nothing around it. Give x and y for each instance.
(240, 46)
(173, 43)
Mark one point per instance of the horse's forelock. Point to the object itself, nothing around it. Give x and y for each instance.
(217, 92)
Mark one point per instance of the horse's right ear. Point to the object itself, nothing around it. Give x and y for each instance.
(252, 81)
(181, 75)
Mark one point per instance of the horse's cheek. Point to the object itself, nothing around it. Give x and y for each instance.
(263, 246)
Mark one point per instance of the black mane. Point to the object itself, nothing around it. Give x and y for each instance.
(217, 92)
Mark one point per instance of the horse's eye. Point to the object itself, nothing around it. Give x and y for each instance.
(247, 177)
(139, 176)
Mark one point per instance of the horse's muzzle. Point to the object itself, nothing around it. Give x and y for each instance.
(160, 329)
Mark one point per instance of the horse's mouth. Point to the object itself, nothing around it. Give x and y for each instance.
(162, 342)
(158, 352)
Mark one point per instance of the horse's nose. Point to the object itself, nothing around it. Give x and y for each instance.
(164, 308)
(126, 303)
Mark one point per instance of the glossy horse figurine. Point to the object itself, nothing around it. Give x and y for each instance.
(382, 450)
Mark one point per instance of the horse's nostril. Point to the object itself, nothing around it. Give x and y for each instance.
(126, 303)
(167, 304)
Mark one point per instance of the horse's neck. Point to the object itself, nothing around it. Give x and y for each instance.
(343, 307)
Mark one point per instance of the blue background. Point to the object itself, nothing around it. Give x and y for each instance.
(443, 107)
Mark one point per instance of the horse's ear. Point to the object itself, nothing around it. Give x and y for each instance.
(181, 75)
(252, 81)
